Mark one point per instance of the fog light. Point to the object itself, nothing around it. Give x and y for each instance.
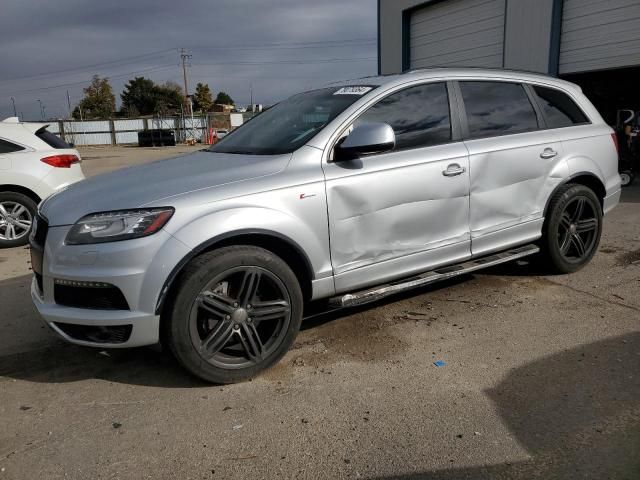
(76, 283)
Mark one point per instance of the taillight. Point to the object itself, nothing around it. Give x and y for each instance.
(615, 142)
(61, 161)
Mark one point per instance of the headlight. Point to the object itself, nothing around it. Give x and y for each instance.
(121, 225)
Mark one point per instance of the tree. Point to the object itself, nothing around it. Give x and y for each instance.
(202, 98)
(99, 100)
(224, 99)
(169, 97)
(139, 96)
(143, 97)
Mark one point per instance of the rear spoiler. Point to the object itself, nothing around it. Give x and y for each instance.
(32, 127)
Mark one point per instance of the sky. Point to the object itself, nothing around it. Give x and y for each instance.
(273, 48)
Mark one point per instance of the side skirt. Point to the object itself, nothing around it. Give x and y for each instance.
(376, 293)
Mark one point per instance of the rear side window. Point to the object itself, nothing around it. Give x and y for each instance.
(558, 109)
(8, 147)
(497, 108)
(51, 139)
(418, 115)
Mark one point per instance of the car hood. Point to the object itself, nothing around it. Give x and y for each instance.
(153, 182)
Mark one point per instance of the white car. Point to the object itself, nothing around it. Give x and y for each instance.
(34, 163)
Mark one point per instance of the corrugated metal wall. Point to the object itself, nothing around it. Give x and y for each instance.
(599, 34)
(458, 33)
(88, 132)
(126, 130)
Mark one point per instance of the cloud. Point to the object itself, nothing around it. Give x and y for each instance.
(47, 47)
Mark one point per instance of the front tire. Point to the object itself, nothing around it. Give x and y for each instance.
(572, 228)
(236, 312)
(17, 212)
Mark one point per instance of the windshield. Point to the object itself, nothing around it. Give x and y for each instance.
(287, 126)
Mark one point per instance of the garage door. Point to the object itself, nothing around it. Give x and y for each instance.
(451, 33)
(599, 34)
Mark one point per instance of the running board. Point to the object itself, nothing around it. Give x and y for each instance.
(433, 276)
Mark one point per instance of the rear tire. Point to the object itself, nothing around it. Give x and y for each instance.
(17, 212)
(235, 313)
(572, 228)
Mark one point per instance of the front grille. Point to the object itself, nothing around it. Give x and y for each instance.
(37, 240)
(112, 334)
(39, 282)
(97, 298)
(41, 228)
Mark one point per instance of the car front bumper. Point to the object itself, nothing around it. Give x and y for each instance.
(137, 268)
(145, 327)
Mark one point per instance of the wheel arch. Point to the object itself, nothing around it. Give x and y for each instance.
(20, 189)
(282, 246)
(587, 179)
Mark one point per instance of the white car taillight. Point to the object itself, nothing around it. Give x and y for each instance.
(61, 161)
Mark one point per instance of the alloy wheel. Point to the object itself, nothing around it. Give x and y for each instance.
(578, 229)
(15, 221)
(240, 317)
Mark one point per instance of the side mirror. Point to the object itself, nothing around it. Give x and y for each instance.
(366, 138)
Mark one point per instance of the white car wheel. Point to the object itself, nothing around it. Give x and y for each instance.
(16, 219)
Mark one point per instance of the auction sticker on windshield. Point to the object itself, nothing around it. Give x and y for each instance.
(353, 90)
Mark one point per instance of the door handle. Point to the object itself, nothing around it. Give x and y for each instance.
(453, 170)
(548, 153)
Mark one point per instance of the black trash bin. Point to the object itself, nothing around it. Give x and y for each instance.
(157, 138)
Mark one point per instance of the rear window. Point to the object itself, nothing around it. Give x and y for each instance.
(497, 108)
(8, 147)
(51, 139)
(558, 108)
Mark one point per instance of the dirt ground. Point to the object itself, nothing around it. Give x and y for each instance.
(541, 381)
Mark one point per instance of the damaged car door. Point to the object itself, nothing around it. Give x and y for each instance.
(406, 209)
(515, 164)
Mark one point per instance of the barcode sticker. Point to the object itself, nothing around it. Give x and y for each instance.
(353, 90)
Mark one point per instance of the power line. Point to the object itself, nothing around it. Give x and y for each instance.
(123, 61)
(84, 82)
(289, 62)
(272, 46)
(287, 46)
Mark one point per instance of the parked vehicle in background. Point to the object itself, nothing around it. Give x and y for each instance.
(348, 193)
(34, 163)
(627, 131)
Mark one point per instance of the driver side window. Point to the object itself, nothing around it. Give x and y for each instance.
(419, 116)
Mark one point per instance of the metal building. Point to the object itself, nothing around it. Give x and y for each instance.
(595, 43)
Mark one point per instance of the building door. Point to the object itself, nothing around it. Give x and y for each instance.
(455, 33)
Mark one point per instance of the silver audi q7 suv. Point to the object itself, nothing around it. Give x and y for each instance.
(347, 193)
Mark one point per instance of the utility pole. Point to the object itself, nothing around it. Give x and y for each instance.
(69, 103)
(15, 113)
(251, 95)
(185, 56)
(41, 111)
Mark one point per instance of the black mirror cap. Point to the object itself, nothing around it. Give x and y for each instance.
(353, 153)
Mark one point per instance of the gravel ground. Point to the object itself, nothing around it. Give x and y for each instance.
(541, 380)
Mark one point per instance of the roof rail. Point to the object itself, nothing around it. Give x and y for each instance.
(512, 70)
